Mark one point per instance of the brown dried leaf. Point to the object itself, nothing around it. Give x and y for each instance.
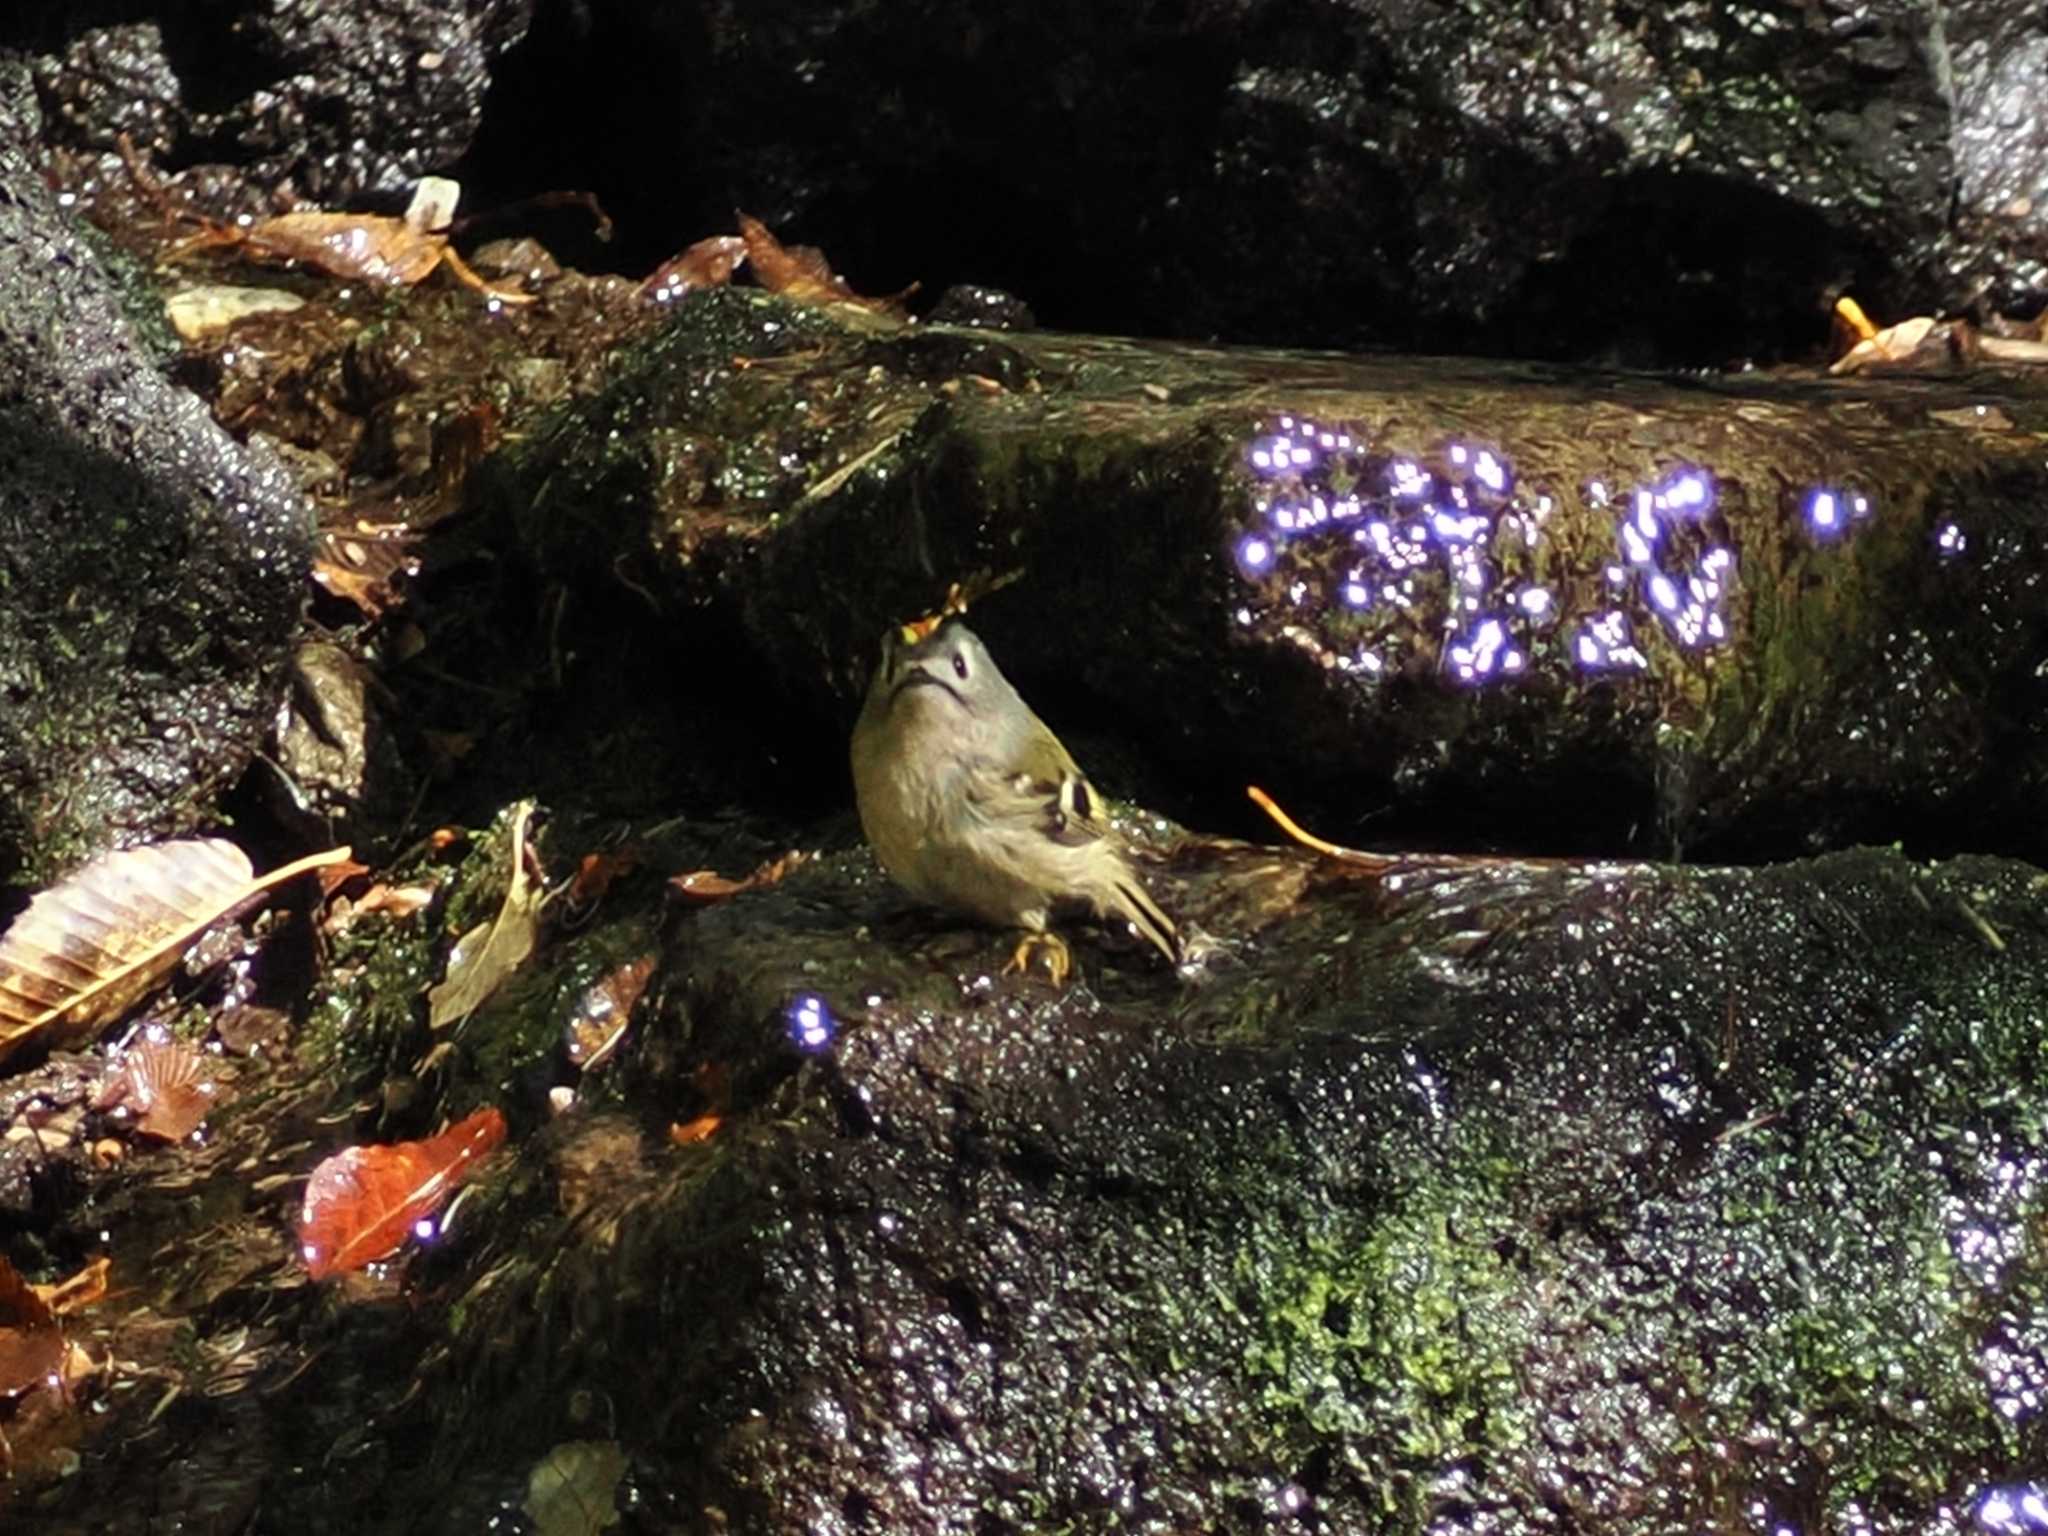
(604, 1011)
(166, 1086)
(488, 953)
(88, 949)
(707, 264)
(802, 273)
(361, 1204)
(31, 1343)
(21, 1304)
(1897, 344)
(705, 886)
(375, 248)
(463, 440)
(335, 876)
(366, 569)
(76, 1292)
(689, 1132)
(29, 1357)
(397, 900)
(595, 874)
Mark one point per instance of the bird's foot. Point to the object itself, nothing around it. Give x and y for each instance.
(1059, 960)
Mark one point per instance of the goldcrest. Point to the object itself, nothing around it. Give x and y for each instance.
(971, 803)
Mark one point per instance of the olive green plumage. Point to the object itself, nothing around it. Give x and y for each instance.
(971, 803)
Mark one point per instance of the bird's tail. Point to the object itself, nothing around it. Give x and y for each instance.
(1130, 899)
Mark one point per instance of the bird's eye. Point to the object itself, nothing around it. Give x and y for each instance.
(960, 666)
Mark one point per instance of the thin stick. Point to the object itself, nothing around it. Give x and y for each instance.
(1308, 839)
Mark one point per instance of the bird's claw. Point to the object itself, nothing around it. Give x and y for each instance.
(1059, 961)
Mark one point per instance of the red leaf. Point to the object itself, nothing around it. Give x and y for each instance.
(361, 1204)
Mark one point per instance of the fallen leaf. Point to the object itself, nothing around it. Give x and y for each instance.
(708, 885)
(31, 1343)
(21, 1304)
(366, 247)
(361, 1204)
(199, 312)
(397, 900)
(713, 1083)
(167, 1087)
(603, 1012)
(366, 568)
(488, 953)
(707, 264)
(76, 1292)
(88, 949)
(573, 1490)
(338, 874)
(595, 874)
(700, 1129)
(801, 273)
(462, 440)
(1922, 340)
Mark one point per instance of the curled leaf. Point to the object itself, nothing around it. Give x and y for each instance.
(689, 1132)
(604, 1010)
(705, 886)
(800, 272)
(488, 953)
(76, 1292)
(361, 1204)
(707, 264)
(88, 949)
(595, 874)
(1922, 341)
(367, 569)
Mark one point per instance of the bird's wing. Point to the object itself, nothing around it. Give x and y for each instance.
(1064, 808)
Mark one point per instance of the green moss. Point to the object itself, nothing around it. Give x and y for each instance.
(1392, 1331)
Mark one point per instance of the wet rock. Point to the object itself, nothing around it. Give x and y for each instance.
(156, 568)
(1495, 605)
(1494, 1193)
(1584, 183)
(338, 99)
(989, 308)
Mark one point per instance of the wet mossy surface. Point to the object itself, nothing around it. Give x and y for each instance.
(1516, 1198)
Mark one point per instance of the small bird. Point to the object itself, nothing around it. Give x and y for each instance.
(970, 802)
